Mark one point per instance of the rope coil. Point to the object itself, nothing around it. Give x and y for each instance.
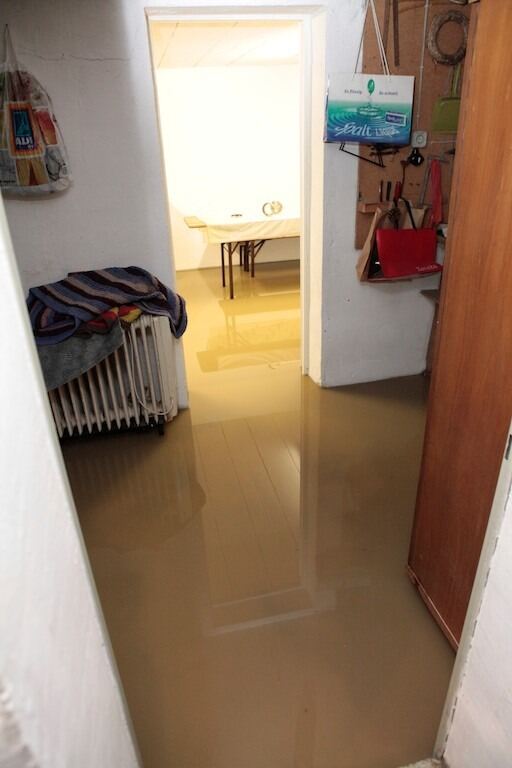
(438, 22)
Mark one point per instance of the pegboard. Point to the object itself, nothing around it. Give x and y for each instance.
(436, 82)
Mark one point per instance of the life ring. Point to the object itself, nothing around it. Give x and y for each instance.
(439, 21)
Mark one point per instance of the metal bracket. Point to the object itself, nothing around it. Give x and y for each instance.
(377, 150)
(379, 164)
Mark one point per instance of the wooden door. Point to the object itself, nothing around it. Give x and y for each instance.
(470, 402)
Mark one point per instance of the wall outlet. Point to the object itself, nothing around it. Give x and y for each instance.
(419, 139)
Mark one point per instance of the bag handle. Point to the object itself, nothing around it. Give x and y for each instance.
(14, 90)
(380, 44)
(409, 211)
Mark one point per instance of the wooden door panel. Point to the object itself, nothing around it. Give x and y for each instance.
(470, 402)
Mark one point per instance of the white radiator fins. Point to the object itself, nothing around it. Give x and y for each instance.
(105, 416)
(149, 379)
(65, 403)
(94, 398)
(84, 398)
(134, 353)
(120, 382)
(75, 407)
(127, 366)
(135, 384)
(57, 412)
(113, 394)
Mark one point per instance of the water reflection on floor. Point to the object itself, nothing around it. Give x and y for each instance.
(251, 563)
(243, 355)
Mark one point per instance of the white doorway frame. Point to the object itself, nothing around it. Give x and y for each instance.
(312, 67)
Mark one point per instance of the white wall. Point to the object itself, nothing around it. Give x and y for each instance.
(103, 98)
(60, 684)
(94, 58)
(231, 143)
(369, 331)
(13, 752)
(480, 735)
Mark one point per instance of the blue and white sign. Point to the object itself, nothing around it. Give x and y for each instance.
(369, 109)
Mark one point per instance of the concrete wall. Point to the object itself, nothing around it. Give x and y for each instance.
(231, 141)
(480, 735)
(94, 59)
(59, 683)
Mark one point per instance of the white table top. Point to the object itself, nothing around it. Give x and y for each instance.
(241, 228)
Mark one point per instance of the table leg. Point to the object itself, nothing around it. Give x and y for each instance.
(253, 257)
(230, 258)
(241, 252)
(223, 265)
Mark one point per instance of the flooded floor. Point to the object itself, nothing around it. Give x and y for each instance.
(251, 562)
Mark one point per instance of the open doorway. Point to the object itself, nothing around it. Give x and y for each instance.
(229, 108)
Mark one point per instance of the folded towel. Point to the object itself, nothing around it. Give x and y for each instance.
(58, 309)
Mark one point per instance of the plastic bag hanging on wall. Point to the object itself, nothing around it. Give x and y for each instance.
(33, 158)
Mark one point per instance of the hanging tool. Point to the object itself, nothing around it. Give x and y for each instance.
(445, 117)
(383, 149)
(436, 211)
(404, 164)
(426, 177)
(385, 31)
(396, 34)
(424, 185)
(415, 158)
(444, 57)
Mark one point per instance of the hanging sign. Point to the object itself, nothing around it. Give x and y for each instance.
(369, 109)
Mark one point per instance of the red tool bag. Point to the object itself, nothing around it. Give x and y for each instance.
(407, 252)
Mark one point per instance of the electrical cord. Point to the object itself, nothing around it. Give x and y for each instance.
(131, 361)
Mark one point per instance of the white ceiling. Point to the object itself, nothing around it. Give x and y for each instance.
(216, 44)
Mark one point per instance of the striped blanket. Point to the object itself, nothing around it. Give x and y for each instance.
(57, 310)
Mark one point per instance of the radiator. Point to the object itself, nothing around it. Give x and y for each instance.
(134, 387)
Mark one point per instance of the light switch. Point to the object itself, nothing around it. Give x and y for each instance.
(419, 139)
